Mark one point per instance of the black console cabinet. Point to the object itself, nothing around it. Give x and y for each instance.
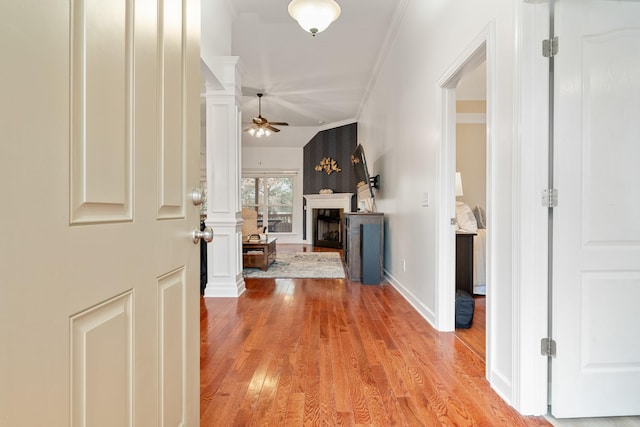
(363, 246)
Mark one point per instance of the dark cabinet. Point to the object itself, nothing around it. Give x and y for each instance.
(363, 246)
(464, 261)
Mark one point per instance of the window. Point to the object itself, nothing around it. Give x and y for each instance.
(272, 198)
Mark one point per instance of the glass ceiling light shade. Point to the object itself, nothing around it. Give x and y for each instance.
(314, 16)
(258, 131)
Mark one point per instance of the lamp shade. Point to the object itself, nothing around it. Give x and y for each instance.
(314, 16)
(459, 185)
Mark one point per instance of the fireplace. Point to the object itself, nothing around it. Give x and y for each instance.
(340, 202)
(328, 228)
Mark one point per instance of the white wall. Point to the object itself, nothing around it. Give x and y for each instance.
(217, 18)
(471, 147)
(290, 159)
(399, 127)
(471, 161)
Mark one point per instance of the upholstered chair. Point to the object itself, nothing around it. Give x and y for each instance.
(250, 223)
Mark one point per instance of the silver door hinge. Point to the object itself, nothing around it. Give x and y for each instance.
(548, 347)
(550, 198)
(550, 47)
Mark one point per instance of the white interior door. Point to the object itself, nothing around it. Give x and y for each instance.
(99, 301)
(596, 293)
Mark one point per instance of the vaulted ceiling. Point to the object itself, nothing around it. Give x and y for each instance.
(309, 82)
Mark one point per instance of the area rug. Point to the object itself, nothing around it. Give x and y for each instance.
(317, 265)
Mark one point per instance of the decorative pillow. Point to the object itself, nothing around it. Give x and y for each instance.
(481, 217)
(465, 218)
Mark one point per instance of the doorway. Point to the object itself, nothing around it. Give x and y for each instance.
(479, 52)
(471, 174)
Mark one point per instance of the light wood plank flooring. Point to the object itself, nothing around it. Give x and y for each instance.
(332, 352)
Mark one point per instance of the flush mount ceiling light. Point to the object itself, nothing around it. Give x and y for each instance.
(314, 16)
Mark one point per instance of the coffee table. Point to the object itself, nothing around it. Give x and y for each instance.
(259, 254)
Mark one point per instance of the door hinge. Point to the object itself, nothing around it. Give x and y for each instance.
(548, 347)
(550, 47)
(550, 198)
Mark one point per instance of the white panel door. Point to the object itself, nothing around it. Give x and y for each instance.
(99, 296)
(596, 294)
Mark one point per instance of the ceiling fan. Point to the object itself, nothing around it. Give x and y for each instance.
(260, 126)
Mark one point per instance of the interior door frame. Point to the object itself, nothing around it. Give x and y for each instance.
(530, 217)
(529, 381)
(482, 48)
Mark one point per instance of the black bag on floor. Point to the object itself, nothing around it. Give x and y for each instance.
(465, 304)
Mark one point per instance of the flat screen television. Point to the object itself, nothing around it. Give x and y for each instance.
(364, 183)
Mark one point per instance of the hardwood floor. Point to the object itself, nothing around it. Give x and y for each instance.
(475, 337)
(332, 352)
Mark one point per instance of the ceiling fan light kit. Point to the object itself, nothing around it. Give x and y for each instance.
(259, 132)
(314, 16)
(260, 126)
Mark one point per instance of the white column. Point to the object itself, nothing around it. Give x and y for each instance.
(223, 127)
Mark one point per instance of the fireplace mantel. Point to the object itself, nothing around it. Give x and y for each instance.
(324, 201)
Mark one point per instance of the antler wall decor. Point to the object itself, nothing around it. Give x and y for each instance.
(328, 165)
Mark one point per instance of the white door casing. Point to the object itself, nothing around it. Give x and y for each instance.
(99, 307)
(596, 280)
(480, 49)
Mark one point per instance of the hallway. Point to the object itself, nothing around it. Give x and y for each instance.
(333, 352)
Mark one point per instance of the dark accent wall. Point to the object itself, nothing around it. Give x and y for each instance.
(338, 144)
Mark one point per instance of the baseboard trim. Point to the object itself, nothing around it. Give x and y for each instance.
(423, 310)
(225, 290)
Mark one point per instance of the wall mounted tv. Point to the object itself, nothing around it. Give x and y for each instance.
(364, 183)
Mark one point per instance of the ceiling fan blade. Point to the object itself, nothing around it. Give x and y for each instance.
(271, 128)
(279, 123)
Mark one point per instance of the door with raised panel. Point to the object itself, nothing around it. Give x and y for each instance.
(596, 283)
(100, 133)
